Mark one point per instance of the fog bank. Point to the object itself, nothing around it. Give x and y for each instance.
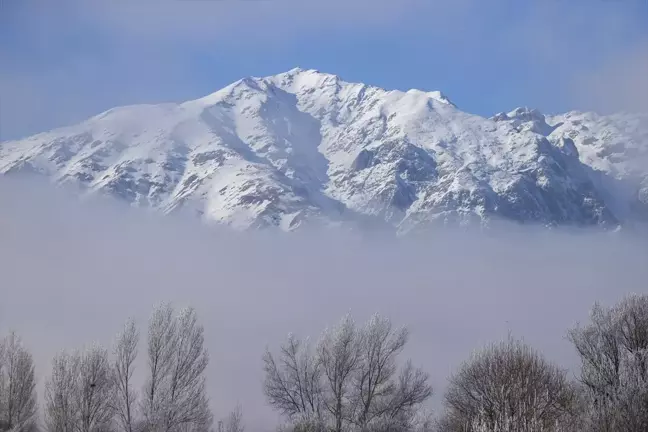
(71, 272)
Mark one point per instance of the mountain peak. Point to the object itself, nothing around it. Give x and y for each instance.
(304, 145)
(302, 78)
(314, 79)
(303, 73)
(299, 70)
(526, 113)
(525, 118)
(441, 97)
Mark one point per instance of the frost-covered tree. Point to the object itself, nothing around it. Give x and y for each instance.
(304, 425)
(189, 405)
(125, 353)
(80, 392)
(175, 395)
(519, 423)
(60, 394)
(509, 387)
(161, 345)
(339, 354)
(351, 382)
(382, 394)
(613, 349)
(95, 390)
(293, 383)
(17, 386)
(233, 422)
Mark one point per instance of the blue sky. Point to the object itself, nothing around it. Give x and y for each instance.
(67, 60)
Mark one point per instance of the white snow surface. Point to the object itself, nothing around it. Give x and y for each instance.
(305, 146)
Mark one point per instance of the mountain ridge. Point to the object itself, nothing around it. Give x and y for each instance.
(305, 146)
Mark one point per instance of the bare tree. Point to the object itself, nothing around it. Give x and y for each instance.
(233, 422)
(188, 402)
(339, 355)
(176, 398)
(305, 425)
(380, 396)
(292, 383)
(95, 390)
(161, 344)
(80, 391)
(351, 383)
(60, 394)
(614, 353)
(507, 422)
(17, 386)
(2, 362)
(508, 384)
(125, 353)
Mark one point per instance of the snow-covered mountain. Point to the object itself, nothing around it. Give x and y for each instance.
(307, 146)
(614, 146)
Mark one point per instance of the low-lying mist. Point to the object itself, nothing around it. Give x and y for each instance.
(71, 272)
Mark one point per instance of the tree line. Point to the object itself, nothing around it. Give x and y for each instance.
(350, 379)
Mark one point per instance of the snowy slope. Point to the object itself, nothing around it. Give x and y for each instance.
(307, 146)
(614, 146)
